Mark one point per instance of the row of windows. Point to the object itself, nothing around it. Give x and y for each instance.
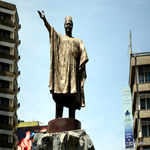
(4, 49)
(146, 147)
(145, 100)
(4, 119)
(145, 127)
(4, 33)
(3, 138)
(4, 66)
(4, 101)
(144, 74)
(4, 84)
(5, 16)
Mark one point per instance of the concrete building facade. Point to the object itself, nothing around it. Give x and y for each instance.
(139, 82)
(9, 72)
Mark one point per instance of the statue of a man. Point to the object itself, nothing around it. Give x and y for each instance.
(67, 68)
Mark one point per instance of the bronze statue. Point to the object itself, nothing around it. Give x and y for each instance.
(67, 69)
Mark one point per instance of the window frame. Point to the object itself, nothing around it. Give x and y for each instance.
(4, 49)
(147, 148)
(4, 119)
(5, 33)
(4, 138)
(145, 97)
(3, 84)
(5, 16)
(4, 101)
(144, 70)
(4, 66)
(145, 122)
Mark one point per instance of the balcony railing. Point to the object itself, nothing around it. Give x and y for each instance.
(17, 18)
(16, 101)
(16, 50)
(17, 35)
(15, 136)
(16, 119)
(16, 84)
(16, 68)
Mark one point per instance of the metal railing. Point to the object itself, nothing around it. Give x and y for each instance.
(140, 54)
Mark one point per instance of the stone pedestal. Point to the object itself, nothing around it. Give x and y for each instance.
(63, 124)
(68, 140)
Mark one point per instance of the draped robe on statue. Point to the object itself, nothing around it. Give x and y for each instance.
(67, 69)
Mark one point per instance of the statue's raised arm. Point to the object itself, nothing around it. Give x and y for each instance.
(42, 16)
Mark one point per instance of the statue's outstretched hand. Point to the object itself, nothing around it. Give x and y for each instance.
(42, 15)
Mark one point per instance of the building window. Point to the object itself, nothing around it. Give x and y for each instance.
(4, 49)
(4, 33)
(4, 84)
(4, 66)
(4, 119)
(145, 127)
(5, 16)
(145, 100)
(4, 101)
(144, 74)
(146, 147)
(3, 138)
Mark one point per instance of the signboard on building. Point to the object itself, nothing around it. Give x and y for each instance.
(26, 134)
(127, 113)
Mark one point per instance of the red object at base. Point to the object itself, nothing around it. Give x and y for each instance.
(63, 124)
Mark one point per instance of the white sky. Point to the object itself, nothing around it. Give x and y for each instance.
(104, 27)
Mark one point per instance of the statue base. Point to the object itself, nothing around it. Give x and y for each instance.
(68, 140)
(63, 124)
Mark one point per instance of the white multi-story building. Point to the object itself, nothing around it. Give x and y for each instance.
(9, 72)
(139, 82)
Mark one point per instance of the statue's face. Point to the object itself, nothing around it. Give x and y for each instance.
(68, 26)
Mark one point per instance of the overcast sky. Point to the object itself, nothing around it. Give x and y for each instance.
(104, 27)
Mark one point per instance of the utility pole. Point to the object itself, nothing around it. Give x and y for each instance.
(130, 43)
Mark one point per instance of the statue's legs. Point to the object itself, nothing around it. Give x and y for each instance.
(67, 101)
(59, 108)
(72, 113)
(72, 106)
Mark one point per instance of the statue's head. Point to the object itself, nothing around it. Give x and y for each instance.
(68, 24)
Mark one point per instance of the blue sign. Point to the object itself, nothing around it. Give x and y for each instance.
(127, 113)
